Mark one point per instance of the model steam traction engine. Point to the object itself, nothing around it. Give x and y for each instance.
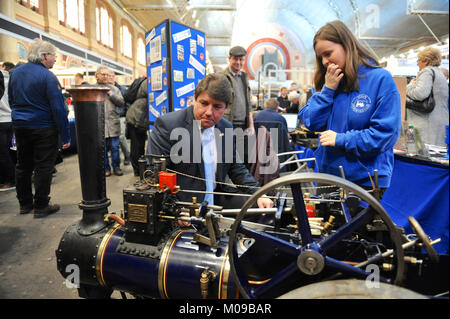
(321, 228)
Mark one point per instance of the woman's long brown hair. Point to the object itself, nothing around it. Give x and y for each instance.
(337, 32)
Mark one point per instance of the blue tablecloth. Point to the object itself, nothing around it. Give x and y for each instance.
(420, 189)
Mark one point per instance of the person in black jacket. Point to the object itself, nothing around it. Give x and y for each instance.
(137, 123)
(283, 100)
(187, 129)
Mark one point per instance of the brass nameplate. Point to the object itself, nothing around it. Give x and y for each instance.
(137, 213)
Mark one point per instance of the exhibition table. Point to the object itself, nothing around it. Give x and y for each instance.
(419, 188)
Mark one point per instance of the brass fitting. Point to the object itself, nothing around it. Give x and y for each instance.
(206, 278)
(329, 224)
(387, 267)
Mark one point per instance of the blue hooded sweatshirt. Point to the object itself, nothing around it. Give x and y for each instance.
(367, 123)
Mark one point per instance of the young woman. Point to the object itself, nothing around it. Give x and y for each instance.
(356, 109)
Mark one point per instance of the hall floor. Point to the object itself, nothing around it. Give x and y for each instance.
(27, 245)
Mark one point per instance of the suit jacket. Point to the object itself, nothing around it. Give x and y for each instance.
(176, 134)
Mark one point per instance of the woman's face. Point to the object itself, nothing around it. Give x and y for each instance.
(330, 53)
(422, 63)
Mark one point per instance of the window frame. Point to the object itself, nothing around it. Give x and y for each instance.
(125, 23)
(99, 5)
(26, 4)
(64, 23)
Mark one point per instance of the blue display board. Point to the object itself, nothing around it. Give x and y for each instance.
(176, 62)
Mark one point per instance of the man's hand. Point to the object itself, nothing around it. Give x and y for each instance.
(264, 202)
(182, 223)
(64, 146)
(251, 131)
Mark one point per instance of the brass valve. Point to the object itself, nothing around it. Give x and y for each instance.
(329, 224)
(206, 278)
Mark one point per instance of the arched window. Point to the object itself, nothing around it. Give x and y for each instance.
(34, 5)
(71, 14)
(104, 21)
(126, 41)
(141, 50)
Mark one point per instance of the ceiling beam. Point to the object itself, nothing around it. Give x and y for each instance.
(212, 7)
(150, 7)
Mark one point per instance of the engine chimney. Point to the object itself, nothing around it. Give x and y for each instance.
(90, 131)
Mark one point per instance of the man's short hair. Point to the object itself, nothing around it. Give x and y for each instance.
(102, 67)
(38, 49)
(217, 86)
(237, 51)
(8, 66)
(271, 104)
(79, 75)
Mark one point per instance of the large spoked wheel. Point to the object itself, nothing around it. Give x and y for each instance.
(310, 255)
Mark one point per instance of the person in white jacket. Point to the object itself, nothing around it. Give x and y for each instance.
(7, 170)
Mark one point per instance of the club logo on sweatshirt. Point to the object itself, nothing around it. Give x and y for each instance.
(361, 103)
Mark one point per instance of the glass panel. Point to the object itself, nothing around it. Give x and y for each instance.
(81, 21)
(104, 26)
(97, 20)
(34, 3)
(110, 33)
(121, 40)
(141, 51)
(72, 13)
(61, 10)
(127, 43)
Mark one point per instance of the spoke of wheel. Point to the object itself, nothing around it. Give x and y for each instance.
(346, 212)
(345, 268)
(265, 238)
(274, 281)
(302, 217)
(350, 270)
(360, 220)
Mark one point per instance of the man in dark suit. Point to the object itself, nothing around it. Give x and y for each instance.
(184, 136)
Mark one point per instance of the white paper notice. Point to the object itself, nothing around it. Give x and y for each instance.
(194, 62)
(177, 76)
(200, 41)
(156, 78)
(153, 111)
(185, 89)
(150, 36)
(155, 49)
(180, 36)
(161, 98)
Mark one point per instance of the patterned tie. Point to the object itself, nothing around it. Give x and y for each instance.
(209, 162)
